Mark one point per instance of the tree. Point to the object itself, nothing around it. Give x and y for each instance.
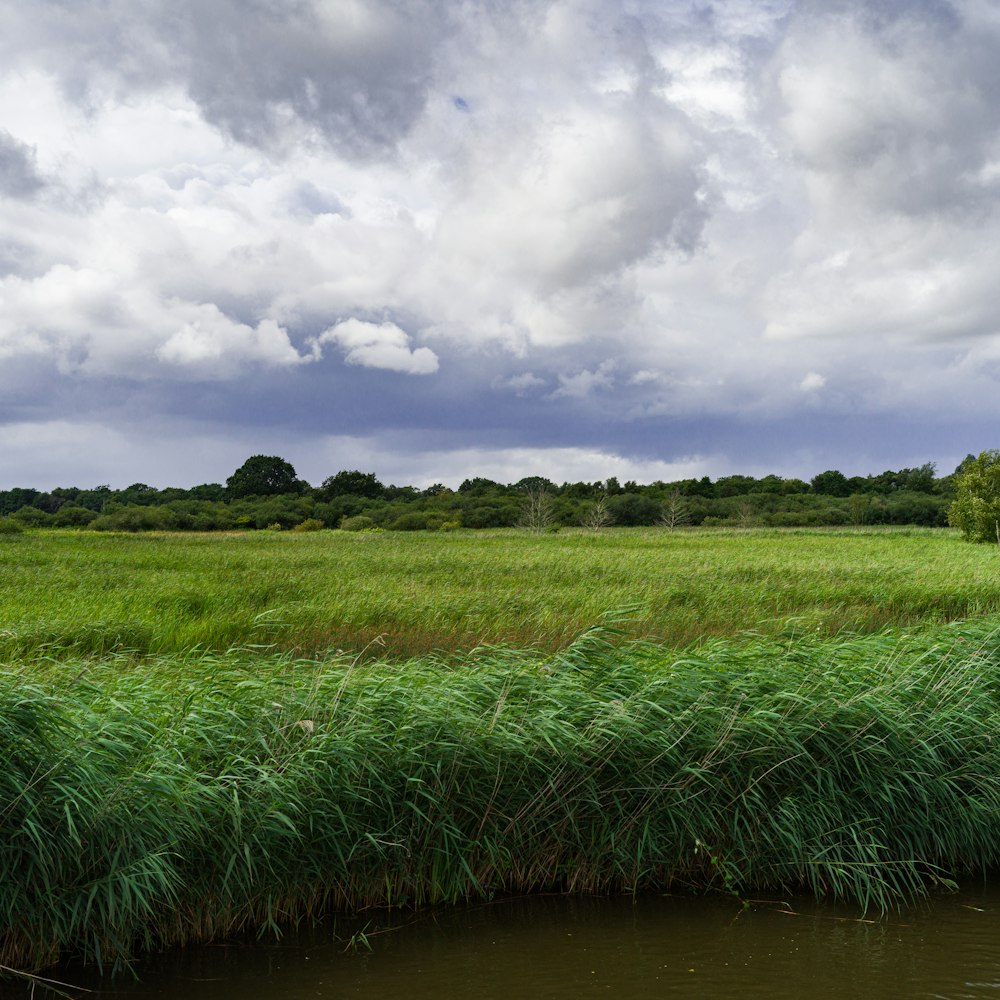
(537, 510)
(976, 508)
(676, 512)
(262, 476)
(632, 509)
(351, 482)
(597, 515)
(734, 486)
(532, 484)
(832, 482)
(919, 480)
(480, 486)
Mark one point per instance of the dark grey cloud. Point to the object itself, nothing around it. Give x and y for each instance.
(897, 102)
(17, 258)
(349, 74)
(19, 175)
(449, 238)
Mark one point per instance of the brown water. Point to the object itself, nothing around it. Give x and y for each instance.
(558, 947)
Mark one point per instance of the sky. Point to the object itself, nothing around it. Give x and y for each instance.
(436, 239)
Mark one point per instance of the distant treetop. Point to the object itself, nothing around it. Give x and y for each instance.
(262, 475)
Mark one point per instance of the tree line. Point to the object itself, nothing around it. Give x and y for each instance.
(266, 493)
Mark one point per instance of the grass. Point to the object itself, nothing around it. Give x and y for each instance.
(198, 738)
(186, 800)
(64, 593)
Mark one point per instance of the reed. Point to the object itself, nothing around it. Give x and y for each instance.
(412, 593)
(188, 798)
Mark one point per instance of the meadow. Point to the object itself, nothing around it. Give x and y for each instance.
(402, 594)
(200, 735)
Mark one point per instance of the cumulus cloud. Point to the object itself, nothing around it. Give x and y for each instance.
(350, 74)
(647, 231)
(379, 345)
(895, 123)
(89, 324)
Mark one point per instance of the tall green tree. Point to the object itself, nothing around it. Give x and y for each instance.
(262, 476)
(976, 508)
(832, 482)
(351, 482)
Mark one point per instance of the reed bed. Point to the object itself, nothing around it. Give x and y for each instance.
(189, 798)
(412, 593)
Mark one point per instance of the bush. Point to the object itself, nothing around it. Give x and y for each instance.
(633, 509)
(358, 523)
(310, 524)
(73, 517)
(415, 520)
(487, 516)
(9, 527)
(135, 518)
(32, 517)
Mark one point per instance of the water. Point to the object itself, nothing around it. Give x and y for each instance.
(559, 947)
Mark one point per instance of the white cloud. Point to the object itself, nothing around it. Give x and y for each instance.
(519, 384)
(379, 345)
(583, 383)
(895, 126)
(211, 337)
(721, 203)
(423, 467)
(91, 323)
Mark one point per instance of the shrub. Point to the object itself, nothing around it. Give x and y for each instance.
(633, 509)
(357, 523)
(415, 520)
(310, 524)
(32, 517)
(9, 527)
(135, 518)
(73, 517)
(486, 516)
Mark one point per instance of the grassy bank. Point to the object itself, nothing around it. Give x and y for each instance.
(188, 798)
(65, 593)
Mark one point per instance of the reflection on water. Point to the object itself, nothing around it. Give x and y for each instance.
(707, 947)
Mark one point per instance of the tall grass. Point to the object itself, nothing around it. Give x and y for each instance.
(189, 798)
(66, 593)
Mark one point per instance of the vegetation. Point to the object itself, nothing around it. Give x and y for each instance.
(976, 509)
(265, 492)
(199, 796)
(201, 734)
(411, 593)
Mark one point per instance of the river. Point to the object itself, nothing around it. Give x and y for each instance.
(561, 947)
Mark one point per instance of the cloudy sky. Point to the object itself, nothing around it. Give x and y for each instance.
(433, 239)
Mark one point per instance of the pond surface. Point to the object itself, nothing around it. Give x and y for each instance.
(561, 947)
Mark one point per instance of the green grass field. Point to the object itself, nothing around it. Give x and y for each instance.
(184, 754)
(413, 593)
